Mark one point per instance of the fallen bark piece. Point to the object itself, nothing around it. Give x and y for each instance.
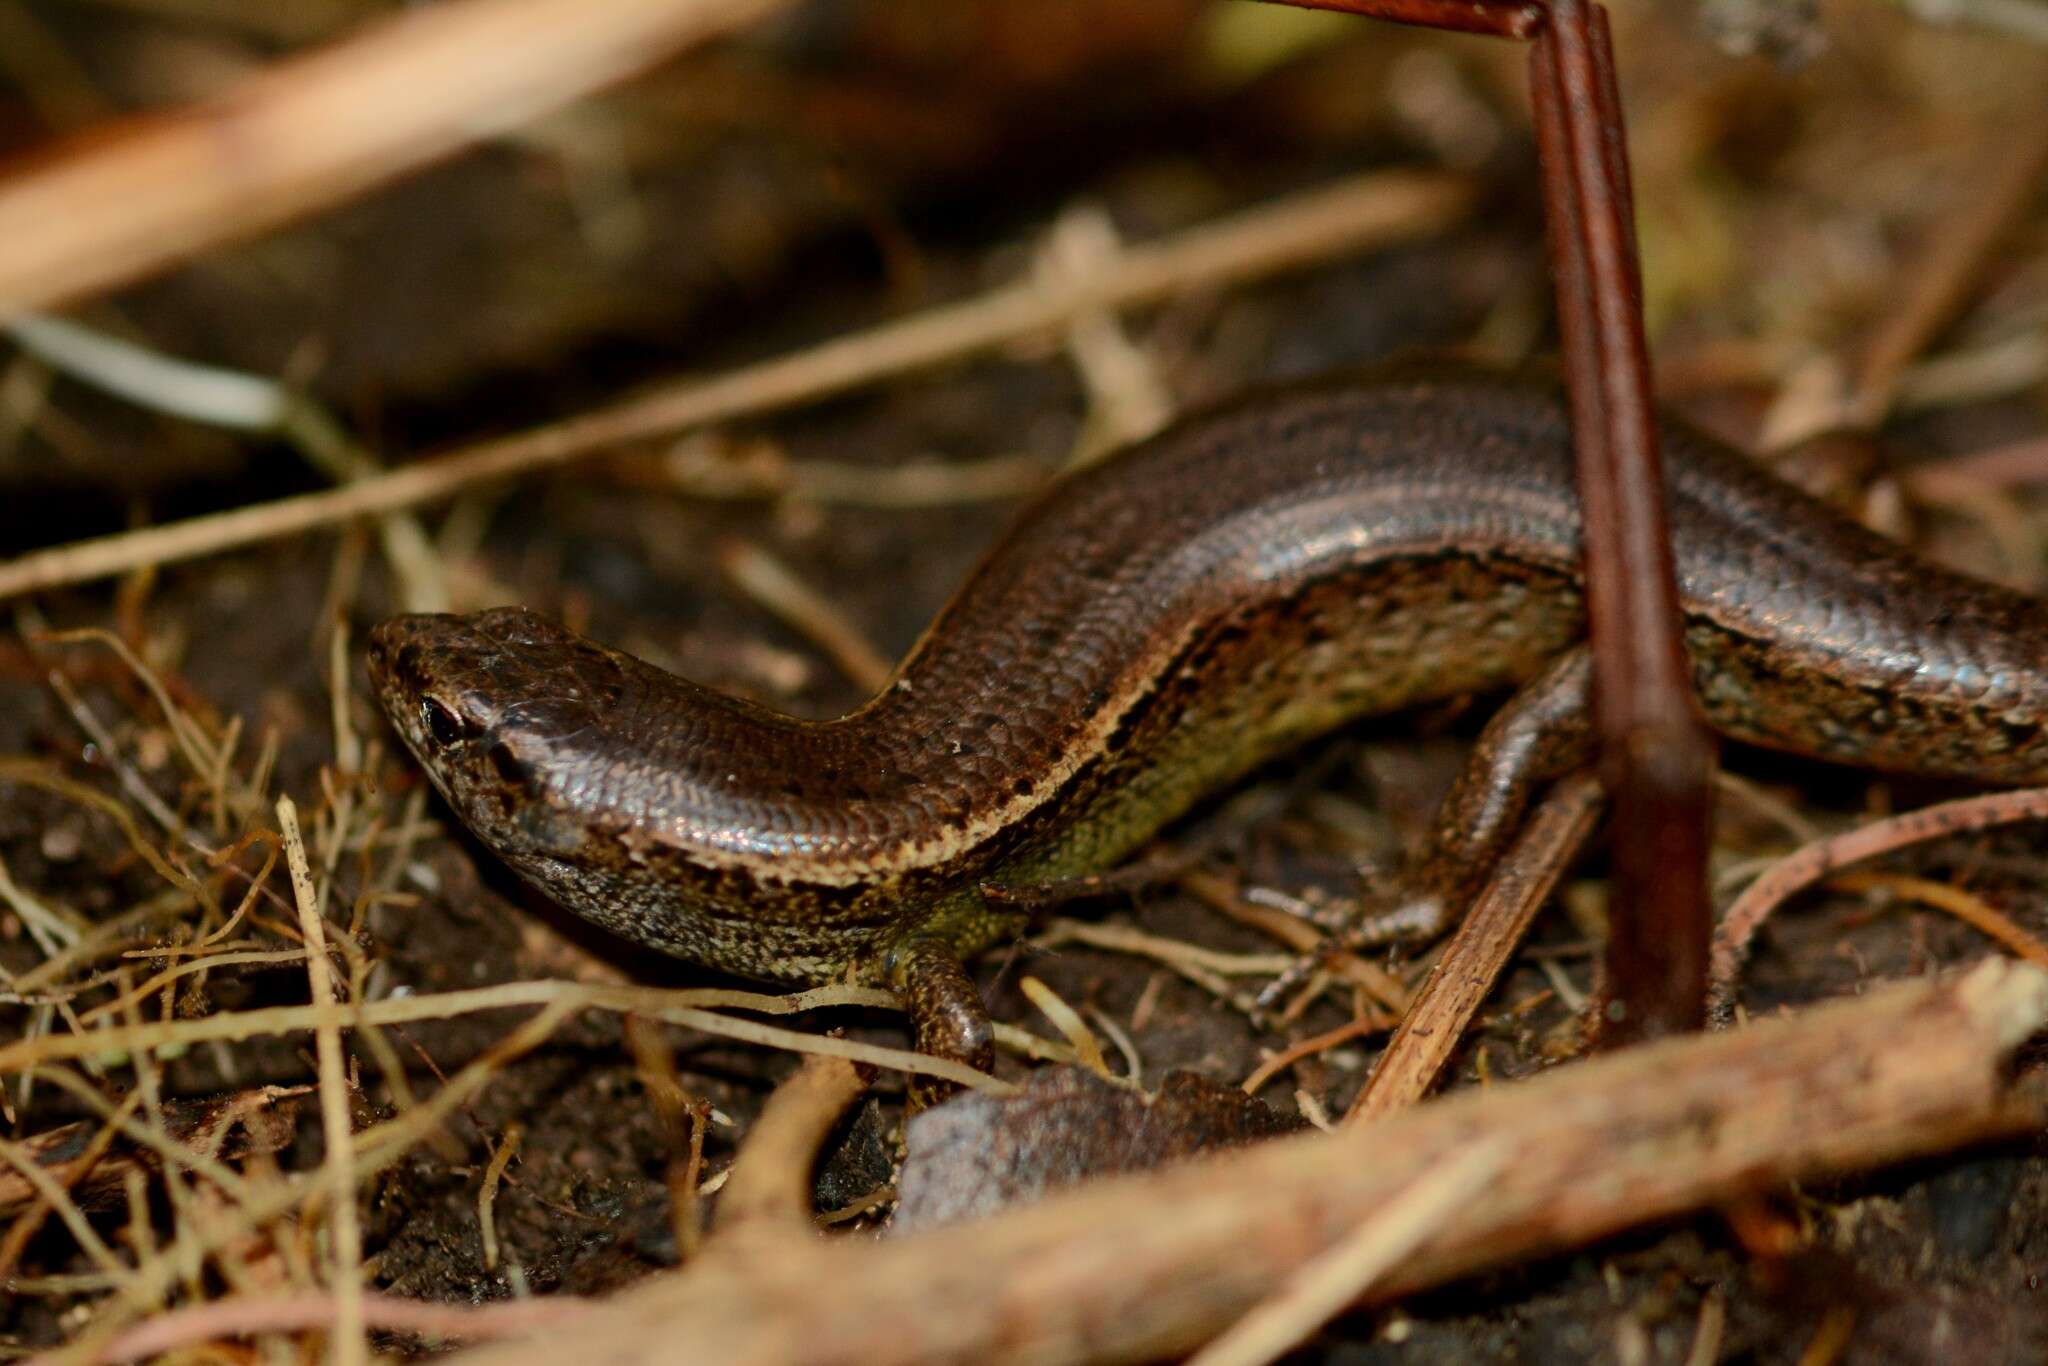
(978, 1153)
(1144, 1266)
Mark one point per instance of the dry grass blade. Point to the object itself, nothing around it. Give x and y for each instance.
(692, 1009)
(349, 1345)
(243, 1317)
(1071, 1026)
(379, 1147)
(487, 1195)
(196, 393)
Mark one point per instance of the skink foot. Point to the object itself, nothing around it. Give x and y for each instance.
(1413, 919)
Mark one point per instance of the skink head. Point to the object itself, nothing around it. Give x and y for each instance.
(632, 797)
(501, 709)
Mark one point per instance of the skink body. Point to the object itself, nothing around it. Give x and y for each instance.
(1156, 627)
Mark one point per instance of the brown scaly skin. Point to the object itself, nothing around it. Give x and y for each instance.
(1153, 629)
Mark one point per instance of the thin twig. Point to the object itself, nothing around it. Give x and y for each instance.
(1372, 1022)
(121, 202)
(1298, 934)
(685, 1118)
(1127, 400)
(769, 1189)
(1485, 939)
(776, 587)
(1815, 861)
(703, 465)
(1706, 1337)
(2007, 465)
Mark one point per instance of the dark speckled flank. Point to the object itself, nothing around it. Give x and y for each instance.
(1161, 624)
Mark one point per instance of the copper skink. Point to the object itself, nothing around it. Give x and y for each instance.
(1154, 628)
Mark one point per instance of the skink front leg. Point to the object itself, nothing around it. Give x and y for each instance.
(947, 1016)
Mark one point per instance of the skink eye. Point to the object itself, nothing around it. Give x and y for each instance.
(441, 723)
